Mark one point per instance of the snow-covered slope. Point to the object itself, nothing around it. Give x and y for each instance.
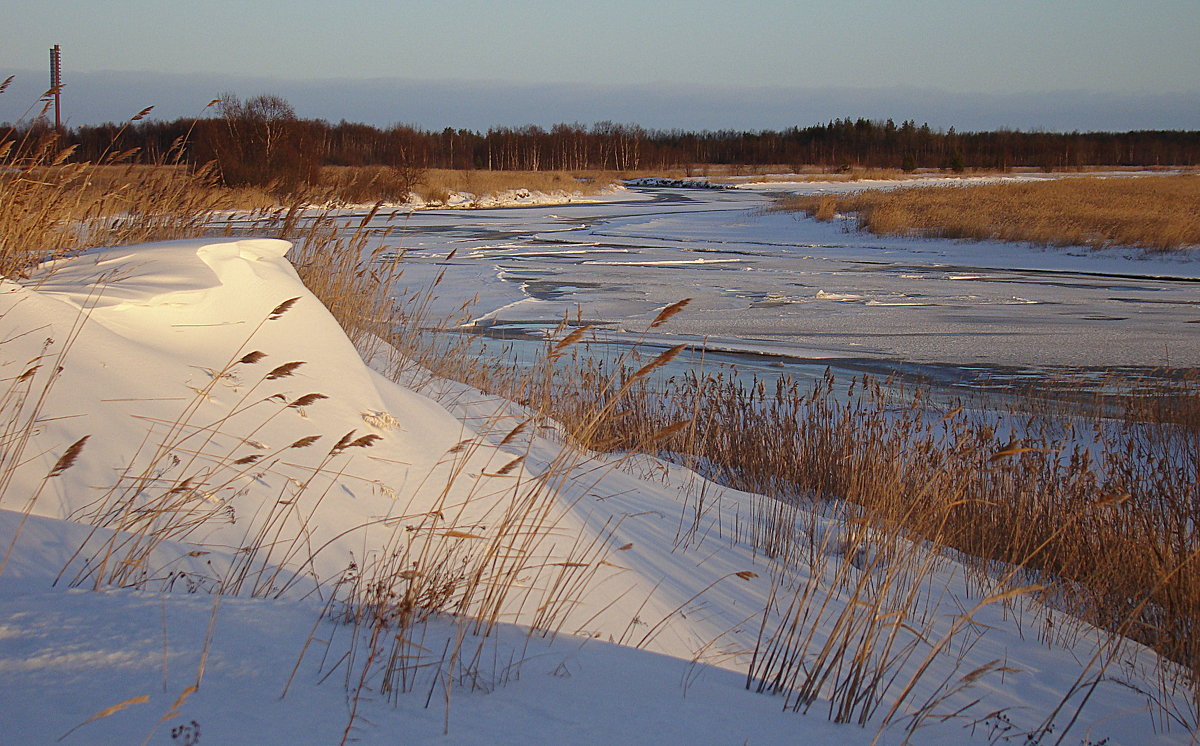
(200, 373)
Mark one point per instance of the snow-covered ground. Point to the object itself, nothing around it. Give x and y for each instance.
(508, 198)
(201, 371)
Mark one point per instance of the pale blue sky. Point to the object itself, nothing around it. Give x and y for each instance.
(709, 52)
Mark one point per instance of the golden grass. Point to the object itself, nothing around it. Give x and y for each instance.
(50, 209)
(51, 204)
(1157, 213)
(813, 173)
(1106, 528)
(368, 184)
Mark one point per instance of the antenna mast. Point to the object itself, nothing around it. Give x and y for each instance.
(56, 85)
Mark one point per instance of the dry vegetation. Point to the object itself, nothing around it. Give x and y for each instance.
(1098, 512)
(1090, 504)
(813, 173)
(810, 173)
(1096, 507)
(1157, 213)
(369, 184)
(51, 210)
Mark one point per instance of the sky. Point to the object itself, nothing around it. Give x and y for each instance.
(694, 64)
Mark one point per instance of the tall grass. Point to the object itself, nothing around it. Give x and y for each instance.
(53, 207)
(1157, 213)
(1096, 504)
(367, 185)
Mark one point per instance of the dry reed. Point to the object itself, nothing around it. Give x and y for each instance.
(1157, 213)
(1123, 475)
(51, 207)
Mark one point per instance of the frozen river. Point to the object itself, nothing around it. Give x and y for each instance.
(791, 288)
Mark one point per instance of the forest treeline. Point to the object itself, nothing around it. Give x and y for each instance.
(263, 135)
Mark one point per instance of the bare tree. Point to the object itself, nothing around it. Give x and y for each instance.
(261, 142)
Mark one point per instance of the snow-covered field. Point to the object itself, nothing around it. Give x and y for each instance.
(634, 592)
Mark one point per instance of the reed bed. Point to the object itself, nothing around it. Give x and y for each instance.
(1092, 497)
(1156, 213)
(53, 209)
(1095, 503)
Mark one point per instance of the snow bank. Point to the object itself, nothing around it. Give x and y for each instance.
(457, 200)
(521, 198)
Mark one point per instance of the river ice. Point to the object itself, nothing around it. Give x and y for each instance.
(763, 281)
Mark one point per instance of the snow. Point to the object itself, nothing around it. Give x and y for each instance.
(55, 651)
(155, 343)
(458, 200)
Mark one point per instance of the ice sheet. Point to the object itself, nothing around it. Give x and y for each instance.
(756, 275)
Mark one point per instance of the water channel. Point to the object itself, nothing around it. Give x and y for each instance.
(773, 292)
